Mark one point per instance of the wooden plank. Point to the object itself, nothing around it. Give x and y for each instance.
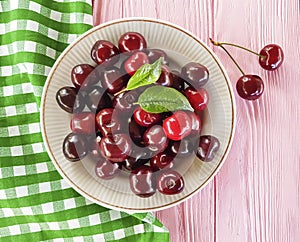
(192, 220)
(107, 10)
(257, 189)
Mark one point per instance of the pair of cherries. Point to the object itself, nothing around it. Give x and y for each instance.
(249, 86)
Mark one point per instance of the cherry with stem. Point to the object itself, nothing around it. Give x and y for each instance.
(248, 86)
(270, 57)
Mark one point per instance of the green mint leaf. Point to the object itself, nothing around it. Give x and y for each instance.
(145, 75)
(159, 99)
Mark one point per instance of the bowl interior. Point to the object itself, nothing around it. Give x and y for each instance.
(182, 47)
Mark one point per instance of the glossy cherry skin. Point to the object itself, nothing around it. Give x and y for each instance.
(83, 75)
(144, 118)
(131, 164)
(170, 182)
(136, 132)
(196, 123)
(116, 147)
(155, 139)
(155, 54)
(108, 122)
(113, 79)
(208, 146)
(132, 41)
(105, 52)
(271, 57)
(137, 158)
(107, 170)
(178, 82)
(97, 98)
(177, 126)
(250, 87)
(161, 161)
(83, 123)
(195, 74)
(75, 146)
(198, 98)
(166, 77)
(66, 98)
(134, 62)
(142, 181)
(141, 89)
(182, 148)
(124, 101)
(94, 149)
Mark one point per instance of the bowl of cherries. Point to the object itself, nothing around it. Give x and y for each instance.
(138, 114)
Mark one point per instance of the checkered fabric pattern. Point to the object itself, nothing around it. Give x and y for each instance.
(36, 204)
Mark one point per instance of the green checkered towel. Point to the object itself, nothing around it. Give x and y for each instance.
(36, 204)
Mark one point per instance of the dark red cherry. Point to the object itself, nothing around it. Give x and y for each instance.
(138, 157)
(136, 132)
(161, 161)
(170, 182)
(107, 170)
(208, 146)
(182, 148)
(97, 98)
(75, 146)
(198, 98)
(116, 147)
(155, 54)
(177, 126)
(144, 118)
(131, 164)
(250, 87)
(142, 181)
(155, 139)
(124, 101)
(83, 123)
(135, 61)
(114, 80)
(178, 82)
(105, 52)
(83, 76)
(271, 57)
(94, 149)
(132, 41)
(166, 77)
(195, 74)
(108, 122)
(196, 123)
(141, 89)
(66, 98)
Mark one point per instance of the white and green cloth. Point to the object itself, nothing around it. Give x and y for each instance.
(36, 204)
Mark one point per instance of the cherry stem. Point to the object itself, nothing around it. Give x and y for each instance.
(235, 45)
(123, 90)
(234, 61)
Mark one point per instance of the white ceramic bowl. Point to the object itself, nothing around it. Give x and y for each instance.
(182, 47)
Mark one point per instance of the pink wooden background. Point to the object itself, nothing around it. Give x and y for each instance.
(256, 194)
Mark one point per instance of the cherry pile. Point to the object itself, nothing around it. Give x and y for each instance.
(108, 125)
(249, 86)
